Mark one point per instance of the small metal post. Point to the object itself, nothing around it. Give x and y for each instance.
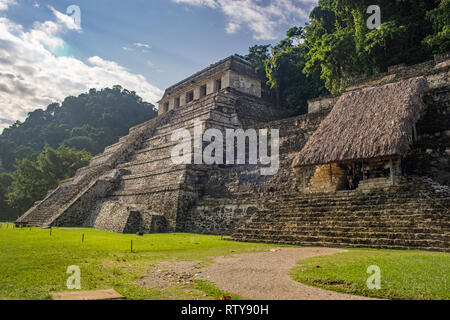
(131, 245)
(82, 238)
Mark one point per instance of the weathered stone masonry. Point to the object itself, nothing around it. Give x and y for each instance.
(134, 186)
(414, 213)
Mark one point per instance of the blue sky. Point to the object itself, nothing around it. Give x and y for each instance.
(144, 46)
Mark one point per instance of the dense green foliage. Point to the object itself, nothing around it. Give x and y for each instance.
(404, 274)
(36, 154)
(336, 45)
(33, 263)
(7, 213)
(439, 17)
(35, 176)
(88, 122)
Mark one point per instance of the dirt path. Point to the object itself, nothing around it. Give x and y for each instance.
(258, 276)
(265, 275)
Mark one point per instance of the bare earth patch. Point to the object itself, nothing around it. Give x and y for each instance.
(172, 273)
(258, 276)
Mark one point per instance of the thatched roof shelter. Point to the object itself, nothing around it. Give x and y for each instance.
(369, 123)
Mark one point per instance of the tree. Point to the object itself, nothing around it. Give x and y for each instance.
(340, 45)
(336, 45)
(293, 88)
(35, 175)
(6, 212)
(439, 41)
(282, 72)
(89, 122)
(257, 55)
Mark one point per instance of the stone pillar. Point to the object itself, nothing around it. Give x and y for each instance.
(183, 100)
(172, 104)
(394, 170)
(226, 79)
(210, 86)
(197, 93)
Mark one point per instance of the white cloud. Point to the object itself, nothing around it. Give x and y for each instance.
(32, 76)
(4, 4)
(207, 3)
(265, 20)
(65, 20)
(141, 45)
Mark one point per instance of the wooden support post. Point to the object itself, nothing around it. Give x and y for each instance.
(304, 178)
(391, 171)
(331, 174)
(363, 172)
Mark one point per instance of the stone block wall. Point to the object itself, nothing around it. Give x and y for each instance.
(327, 178)
(231, 73)
(322, 103)
(217, 217)
(227, 189)
(430, 155)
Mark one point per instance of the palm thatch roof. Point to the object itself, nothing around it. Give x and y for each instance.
(369, 123)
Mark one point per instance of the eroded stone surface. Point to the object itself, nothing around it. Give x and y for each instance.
(135, 187)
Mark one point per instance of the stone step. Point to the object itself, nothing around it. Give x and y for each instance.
(165, 170)
(299, 239)
(369, 215)
(112, 148)
(334, 220)
(435, 234)
(387, 245)
(345, 238)
(402, 217)
(145, 190)
(350, 207)
(163, 161)
(356, 196)
(175, 177)
(342, 229)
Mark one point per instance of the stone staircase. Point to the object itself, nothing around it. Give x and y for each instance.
(410, 216)
(46, 208)
(134, 184)
(70, 197)
(153, 189)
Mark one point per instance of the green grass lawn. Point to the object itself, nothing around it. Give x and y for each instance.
(33, 263)
(404, 274)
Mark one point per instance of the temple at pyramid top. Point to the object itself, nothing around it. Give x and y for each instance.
(232, 72)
